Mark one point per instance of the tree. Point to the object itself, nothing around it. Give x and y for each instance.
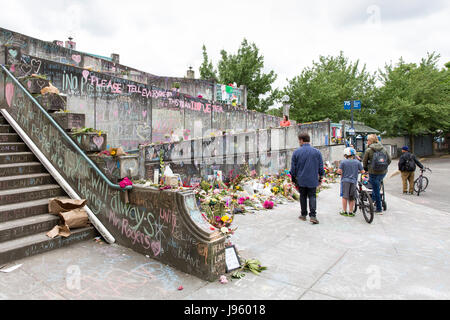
(244, 68)
(413, 99)
(319, 91)
(207, 71)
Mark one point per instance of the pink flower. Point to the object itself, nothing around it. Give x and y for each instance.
(223, 280)
(125, 182)
(268, 205)
(241, 200)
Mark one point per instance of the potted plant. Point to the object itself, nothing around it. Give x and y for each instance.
(89, 139)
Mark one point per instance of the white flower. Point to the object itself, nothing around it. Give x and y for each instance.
(224, 230)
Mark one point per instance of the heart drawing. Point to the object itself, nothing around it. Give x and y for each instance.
(98, 141)
(144, 113)
(76, 58)
(85, 74)
(13, 52)
(156, 248)
(9, 93)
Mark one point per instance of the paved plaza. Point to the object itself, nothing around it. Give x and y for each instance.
(403, 254)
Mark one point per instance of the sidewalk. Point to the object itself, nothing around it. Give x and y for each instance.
(401, 255)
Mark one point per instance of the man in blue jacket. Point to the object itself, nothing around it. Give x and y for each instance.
(307, 173)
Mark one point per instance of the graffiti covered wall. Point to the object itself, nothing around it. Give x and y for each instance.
(133, 113)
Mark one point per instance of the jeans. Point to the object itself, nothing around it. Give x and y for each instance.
(305, 195)
(375, 180)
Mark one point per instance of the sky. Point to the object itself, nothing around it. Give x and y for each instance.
(166, 37)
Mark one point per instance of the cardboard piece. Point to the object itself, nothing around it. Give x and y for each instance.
(77, 218)
(58, 205)
(50, 89)
(71, 213)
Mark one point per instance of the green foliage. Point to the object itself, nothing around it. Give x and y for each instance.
(207, 71)
(277, 112)
(244, 68)
(319, 91)
(413, 99)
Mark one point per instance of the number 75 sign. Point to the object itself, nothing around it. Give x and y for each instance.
(356, 105)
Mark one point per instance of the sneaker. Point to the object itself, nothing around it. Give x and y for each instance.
(351, 214)
(412, 193)
(302, 218)
(314, 221)
(404, 192)
(343, 213)
(379, 212)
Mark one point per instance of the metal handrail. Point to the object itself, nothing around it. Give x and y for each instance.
(64, 134)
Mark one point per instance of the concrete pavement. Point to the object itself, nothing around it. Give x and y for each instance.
(403, 254)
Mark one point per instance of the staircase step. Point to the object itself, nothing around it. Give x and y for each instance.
(6, 128)
(17, 157)
(39, 243)
(30, 194)
(15, 229)
(23, 209)
(13, 147)
(10, 137)
(25, 181)
(17, 169)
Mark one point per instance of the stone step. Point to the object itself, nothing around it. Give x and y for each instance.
(3, 120)
(7, 147)
(10, 137)
(30, 194)
(25, 181)
(17, 157)
(16, 169)
(6, 128)
(39, 243)
(23, 209)
(20, 228)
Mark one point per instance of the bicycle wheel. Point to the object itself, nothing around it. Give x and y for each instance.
(367, 206)
(383, 199)
(424, 183)
(418, 185)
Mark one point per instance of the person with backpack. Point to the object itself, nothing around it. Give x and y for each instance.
(407, 167)
(376, 161)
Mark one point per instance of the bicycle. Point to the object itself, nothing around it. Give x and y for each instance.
(364, 202)
(421, 183)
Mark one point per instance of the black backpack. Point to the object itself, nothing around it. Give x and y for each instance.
(379, 161)
(410, 164)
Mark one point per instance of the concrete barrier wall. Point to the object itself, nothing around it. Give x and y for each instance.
(50, 51)
(133, 113)
(266, 151)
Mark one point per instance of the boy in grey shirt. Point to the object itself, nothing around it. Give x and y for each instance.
(349, 170)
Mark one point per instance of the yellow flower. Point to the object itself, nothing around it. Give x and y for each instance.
(237, 188)
(225, 218)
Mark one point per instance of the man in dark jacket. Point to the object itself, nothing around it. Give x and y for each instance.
(407, 167)
(376, 160)
(307, 172)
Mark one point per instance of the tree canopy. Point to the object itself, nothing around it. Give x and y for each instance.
(413, 99)
(246, 67)
(319, 91)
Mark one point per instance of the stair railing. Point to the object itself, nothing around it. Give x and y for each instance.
(64, 134)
